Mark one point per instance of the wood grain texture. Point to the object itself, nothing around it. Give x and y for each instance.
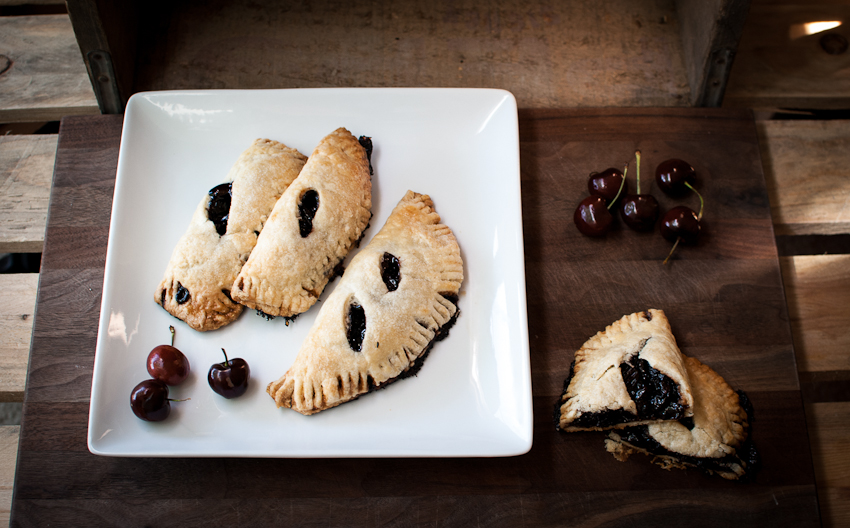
(829, 430)
(47, 78)
(17, 297)
(817, 288)
(548, 54)
(777, 67)
(26, 172)
(8, 456)
(724, 298)
(805, 165)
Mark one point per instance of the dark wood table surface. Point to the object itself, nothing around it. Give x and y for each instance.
(724, 299)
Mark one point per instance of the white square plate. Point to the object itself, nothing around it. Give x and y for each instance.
(472, 396)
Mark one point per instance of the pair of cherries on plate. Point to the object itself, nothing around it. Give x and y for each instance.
(168, 366)
(640, 211)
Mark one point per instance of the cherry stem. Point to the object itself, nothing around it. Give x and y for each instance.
(678, 239)
(226, 361)
(701, 203)
(637, 155)
(184, 399)
(622, 184)
(171, 328)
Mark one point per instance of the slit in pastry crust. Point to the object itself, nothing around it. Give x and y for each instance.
(310, 231)
(401, 324)
(198, 280)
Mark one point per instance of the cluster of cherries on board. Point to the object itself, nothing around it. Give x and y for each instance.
(641, 211)
(168, 367)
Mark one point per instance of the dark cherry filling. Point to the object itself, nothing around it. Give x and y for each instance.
(366, 143)
(391, 271)
(355, 326)
(745, 456)
(182, 296)
(337, 271)
(218, 210)
(655, 394)
(307, 208)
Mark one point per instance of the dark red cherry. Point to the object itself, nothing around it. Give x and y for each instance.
(681, 222)
(592, 216)
(640, 211)
(149, 400)
(607, 184)
(168, 364)
(230, 378)
(671, 176)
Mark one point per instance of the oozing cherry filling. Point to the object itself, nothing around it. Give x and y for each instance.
(182, 296)
(218, 210)
(654, 393)
(746, 456)
(355, 326)
(366, 143)
(390, 271)
(307, 208)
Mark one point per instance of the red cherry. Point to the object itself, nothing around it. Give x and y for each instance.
(681, 222)
(229, 378)
(592, 216)
(167, 364)
(639, 211)
(607, 184)
(672, 175)
(149, 401)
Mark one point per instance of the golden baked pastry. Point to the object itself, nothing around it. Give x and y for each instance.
(398, 296)
(311, 229)
(631, 373)
(222, 233)
(715, 440)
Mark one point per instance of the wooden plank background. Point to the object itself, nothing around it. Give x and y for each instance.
(46, 79)
(559, 54)
(777, 67)
(26, 172)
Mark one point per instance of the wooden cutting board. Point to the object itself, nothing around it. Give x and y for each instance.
(724, 299)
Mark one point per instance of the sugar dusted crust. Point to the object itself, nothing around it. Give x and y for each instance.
(286, 273)
(206, 264)
(400, 325)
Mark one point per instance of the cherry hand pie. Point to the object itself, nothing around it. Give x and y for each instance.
(222, 233)
(398, 296)
(716, 439)
(631, 373)
(311, 229)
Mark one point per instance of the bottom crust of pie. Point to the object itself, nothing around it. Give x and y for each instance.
(412, 370)
(740, 465)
